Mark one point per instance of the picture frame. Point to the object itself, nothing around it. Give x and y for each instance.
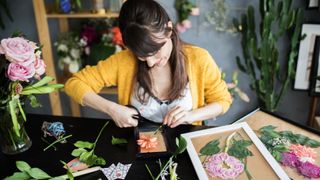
(259, 118)
(261, 157)
(304, 61)
(313, 4)
(315, 73)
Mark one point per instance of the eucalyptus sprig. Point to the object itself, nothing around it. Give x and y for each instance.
(88, 157)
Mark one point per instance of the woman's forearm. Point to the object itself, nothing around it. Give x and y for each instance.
(206, 112)
(99, 103)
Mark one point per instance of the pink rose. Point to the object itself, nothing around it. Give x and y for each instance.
(39, 66)
(17, 50)
(17, 72)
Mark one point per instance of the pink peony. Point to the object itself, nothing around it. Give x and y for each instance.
(17, 72)
(39, 66)
(17, 50)
(303, 152)
(309, 170)
(195, 11)
(224, 166)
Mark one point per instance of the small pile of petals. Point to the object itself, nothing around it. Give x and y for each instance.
(147, 142)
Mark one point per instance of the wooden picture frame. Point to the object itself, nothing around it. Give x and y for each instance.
(304, 61)
(315, 73)
(258, 119)
(262, 161)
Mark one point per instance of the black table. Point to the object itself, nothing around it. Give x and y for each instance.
(87, 129)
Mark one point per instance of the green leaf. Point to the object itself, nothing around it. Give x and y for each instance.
(38, 173)
(33, 101)
(280, 148)
(78, 152)
(210, 148)
(276, 155)
(42, 82)
(16, 126)
(116, 141)
(312, 143)
(100, 161)
(181, 145)
(84, 157)
(239, 149)
(18, 176)
(22, 166)
(84, 144)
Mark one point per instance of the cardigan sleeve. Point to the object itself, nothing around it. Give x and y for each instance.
(216, 89)
(92, 79)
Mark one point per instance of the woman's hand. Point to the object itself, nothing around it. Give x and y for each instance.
(122, 116)
(177, 116)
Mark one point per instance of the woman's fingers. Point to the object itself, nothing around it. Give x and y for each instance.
(173, 115)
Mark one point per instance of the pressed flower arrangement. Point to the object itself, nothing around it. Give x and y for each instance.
(21, 71)
(229, 162)
(292, 150)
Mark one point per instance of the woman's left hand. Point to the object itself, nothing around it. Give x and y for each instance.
(177, 116)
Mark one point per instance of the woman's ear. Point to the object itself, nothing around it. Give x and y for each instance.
(170, 25)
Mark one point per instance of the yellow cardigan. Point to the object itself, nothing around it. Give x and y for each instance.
(119, 70)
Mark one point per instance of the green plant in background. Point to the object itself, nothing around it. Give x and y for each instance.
(261, 54)
(4, 8)
(233, 88)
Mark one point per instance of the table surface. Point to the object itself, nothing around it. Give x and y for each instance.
(87, 129)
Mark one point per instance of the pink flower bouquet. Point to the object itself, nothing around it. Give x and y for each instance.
(21, 68)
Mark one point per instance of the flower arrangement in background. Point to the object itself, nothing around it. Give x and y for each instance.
(97, 40)
(184, 9)
(292, 150)
(21, 68)
(234, 89)
(102, 37)
(70, 50)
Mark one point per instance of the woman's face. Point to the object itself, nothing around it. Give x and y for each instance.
(161, 57)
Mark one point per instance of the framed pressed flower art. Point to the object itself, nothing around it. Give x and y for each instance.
(231, 152)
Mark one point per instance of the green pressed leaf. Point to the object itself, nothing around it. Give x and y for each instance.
(22, 166)
(276, 155)
(181, 145)
(84, 144)
(33, 101)
(312, 143)
(116, 141)
(239, 149)
(280, 148)
(38, 173)
(210, 148)
(78, 152)
(18, 176)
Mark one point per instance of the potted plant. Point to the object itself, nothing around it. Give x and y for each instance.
(262, 57)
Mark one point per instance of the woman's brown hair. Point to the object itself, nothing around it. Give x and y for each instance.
(139, 21)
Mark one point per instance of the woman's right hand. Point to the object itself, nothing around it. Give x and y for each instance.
(122, 116)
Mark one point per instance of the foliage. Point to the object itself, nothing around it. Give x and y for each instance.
(88, 157)
(184, 9)
(121, 141)
(4, 6)
(27, 172)
(261, 54)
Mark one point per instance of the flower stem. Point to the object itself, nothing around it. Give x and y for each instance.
(95, 142)
(58, 140)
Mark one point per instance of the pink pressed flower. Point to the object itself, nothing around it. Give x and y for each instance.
(195, 11)
(180, 28)
(224, 166)
(18, 50)
(303, 152)
(289, 159)
(309, 170)
(17, 72)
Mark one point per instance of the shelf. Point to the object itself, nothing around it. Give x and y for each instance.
(83, 15)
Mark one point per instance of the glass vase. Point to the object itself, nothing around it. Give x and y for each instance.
(11, 141)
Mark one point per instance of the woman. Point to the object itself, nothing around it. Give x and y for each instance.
(167, 80)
